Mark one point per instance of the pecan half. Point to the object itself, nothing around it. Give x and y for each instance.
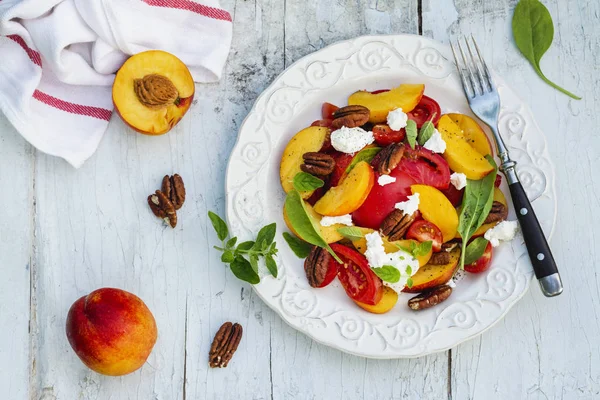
(439, 258)
(430, 298)
(224, 344)
(173, 188)
(449, 246)
(499, 212)
(390, 158)
(350, 117)
(316, 266)
(162, 207)
(395, 225)
(318, 164)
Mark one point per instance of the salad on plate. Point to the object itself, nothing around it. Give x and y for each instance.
(391, 196)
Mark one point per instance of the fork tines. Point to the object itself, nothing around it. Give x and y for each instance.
(474, 73)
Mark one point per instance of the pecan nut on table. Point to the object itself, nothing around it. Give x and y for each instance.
(165, 203)
(224, 344)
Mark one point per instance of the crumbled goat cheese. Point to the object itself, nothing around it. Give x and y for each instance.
(397, 119)
(385, 180)
(342, 219)
(409, 206)
(504, 231)
(351, 140)
(436, 143)
(459, 180)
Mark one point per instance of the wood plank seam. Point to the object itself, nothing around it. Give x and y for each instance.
(33, 327)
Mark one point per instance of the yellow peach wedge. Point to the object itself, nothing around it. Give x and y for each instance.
(329, 233)
(431, 275)
(350, 194)
(390, 247)
(472, 133)
(307, 140)
(460, 155)
(437, 209)
(387, 302)
(405, 96)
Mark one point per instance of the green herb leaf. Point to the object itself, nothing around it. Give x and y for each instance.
(231, 242)
(387, 273)
(426, 131)
(298, 246)
(411, 133)
(422, 248)
(271, 265)
(533, 31)
(227, 256)
(303, 224)
(409, 283)
(242, 269)
(476, 205)
(245, 246)
(304, 182)
(475, 250)
(219, 225)
(351, 233)
(254, 262)
(409, 270)
(266, 234)
(364, 155)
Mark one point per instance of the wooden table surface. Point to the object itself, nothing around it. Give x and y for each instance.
(66, 232)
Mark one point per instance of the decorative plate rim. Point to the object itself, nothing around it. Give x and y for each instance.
(265, 291)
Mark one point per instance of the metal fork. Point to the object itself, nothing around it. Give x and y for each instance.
(485, 103)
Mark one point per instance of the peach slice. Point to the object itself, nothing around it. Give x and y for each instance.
(390, 247)
(329, 233)
(405, 96)
(349, 194)
(498, 196)
(152, 91)
(437, 209)
(431, 276)
(307, 140)
(472, 133)
(387, 302)
(460, 155)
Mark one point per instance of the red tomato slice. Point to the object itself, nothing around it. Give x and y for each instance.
(380, 91)
(423, 231)
(361, 284)
(384, 135)
(424, 110)
(426, 167)
(330, 275)
(498, 180)
(454, 195)
(327, 110)
(342, 161)
(483, 263)
(326, 122)
(382, 199)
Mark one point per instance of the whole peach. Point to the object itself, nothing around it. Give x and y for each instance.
(111, 330)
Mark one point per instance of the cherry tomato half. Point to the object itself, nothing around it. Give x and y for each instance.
(424, 110)
(426, 167)
(330, 275)
(361, 284)
(423, 231)
(382, 199)
(327, 110)
(483, 263)
(384, 135)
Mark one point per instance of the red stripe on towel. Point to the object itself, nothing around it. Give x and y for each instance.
(210, 12)
(73, 108)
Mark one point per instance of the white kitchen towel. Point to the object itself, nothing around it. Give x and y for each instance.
(58, 59)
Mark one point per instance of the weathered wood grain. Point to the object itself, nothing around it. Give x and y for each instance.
(544, 348)
(16, 235)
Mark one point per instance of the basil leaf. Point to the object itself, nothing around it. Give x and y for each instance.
(409, 283)
(245, 246)
(364, 155)
(422, 249)
(387, 273)
(271, 265)
(242, 269)
(298, 246)
(266, 234)
(351, 233)
(475, 250)
(304, 182)
(476, 205)
(219, 225)
(254, 262)
(303, 224)
(411, 133)
(427, 130)
(227, 256)
(533, 31)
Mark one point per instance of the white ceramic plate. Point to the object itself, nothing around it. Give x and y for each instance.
(255, 197)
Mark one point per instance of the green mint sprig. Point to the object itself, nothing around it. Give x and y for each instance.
(243, 258)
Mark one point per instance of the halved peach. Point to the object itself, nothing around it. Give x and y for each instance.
(460, 155)
(498, 196)
(152, 91)
(431, 276)
(307, 140)
(390, 247)
(349, 194)
(329, 233)
(472, 133)
(437, 209)
(387, 302)
(405, 96)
